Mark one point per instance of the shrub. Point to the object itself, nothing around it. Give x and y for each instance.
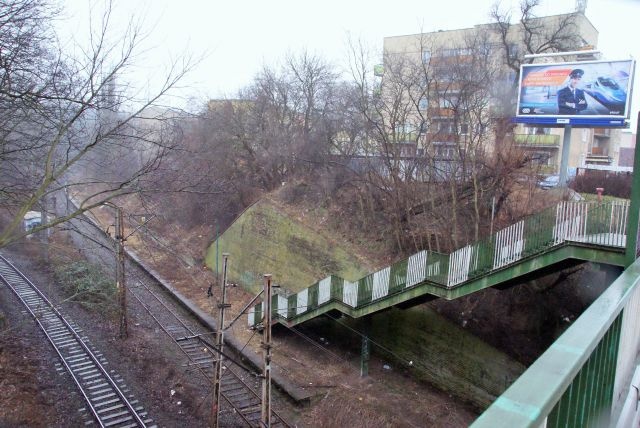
(614, 184)
(87, 284)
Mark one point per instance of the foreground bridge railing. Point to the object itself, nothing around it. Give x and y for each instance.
(583, 379)
(592, 223)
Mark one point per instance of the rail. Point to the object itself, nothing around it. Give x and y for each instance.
(108, 403)
(202, 355)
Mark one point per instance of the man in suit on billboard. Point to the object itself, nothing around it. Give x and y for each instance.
(571, 100)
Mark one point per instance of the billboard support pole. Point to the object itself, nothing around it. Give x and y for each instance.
(564, 160)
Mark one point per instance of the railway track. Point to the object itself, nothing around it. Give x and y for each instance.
(238, 384)
(238, 387)
(105, 394)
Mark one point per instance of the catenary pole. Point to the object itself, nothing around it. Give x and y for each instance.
(217, 372)
(266, 352)
(120, 276)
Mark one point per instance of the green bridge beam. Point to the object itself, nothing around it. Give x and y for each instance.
(554, 259)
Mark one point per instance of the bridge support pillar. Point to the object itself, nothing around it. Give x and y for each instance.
(366, 348)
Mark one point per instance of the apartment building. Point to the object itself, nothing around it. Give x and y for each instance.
(443, 58)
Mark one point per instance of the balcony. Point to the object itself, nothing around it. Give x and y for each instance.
(598, 159)
(542, 140)
(602, 132)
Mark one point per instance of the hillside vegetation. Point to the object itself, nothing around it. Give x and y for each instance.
(264, 239)
(298, 252)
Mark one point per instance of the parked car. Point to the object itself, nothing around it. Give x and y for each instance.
(549, 182)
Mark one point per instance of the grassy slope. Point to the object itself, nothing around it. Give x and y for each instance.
(265, 240)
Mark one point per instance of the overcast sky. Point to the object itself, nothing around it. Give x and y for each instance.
(239, 36)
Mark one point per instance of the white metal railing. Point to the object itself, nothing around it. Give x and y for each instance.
(380, 283)
(350, 293)
(324, 290)
(509, 245)
(602, 224)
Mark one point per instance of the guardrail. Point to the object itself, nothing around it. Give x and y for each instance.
(590, 223)
(583, 379)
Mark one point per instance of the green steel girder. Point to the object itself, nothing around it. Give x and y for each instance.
(556, 255)
(634, 208)
(552, 260)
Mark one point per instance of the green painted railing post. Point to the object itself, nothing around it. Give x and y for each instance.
(217, 250)
(632, 225)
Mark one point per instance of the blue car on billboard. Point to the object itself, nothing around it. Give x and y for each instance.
(608, 93)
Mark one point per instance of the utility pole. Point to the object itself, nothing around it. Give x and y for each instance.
(266, 352)
(217, 279)
(564, 160)
(217, 369)
(120, 278)
(44, 233)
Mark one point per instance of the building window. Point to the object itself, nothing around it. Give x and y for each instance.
(446, 127)
(480, 128)
(455, 52)
(514, 50)
(426, 57)
(540, 158)
(405, 128)
(446, 103)
(445, 152)
(485, 49)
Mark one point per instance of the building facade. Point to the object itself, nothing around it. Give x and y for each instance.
(457, 82)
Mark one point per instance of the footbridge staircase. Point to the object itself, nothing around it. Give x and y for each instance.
(565, 234)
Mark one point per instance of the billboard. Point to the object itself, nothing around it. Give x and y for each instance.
(582, 90)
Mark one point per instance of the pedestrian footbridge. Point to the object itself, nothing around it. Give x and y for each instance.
(562, 235)
(590, 376)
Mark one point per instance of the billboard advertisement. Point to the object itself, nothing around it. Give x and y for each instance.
(593, 89)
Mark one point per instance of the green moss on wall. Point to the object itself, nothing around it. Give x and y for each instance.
(447, 355)
(442, 354)
(263, 240)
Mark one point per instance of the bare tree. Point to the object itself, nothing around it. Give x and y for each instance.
(427, 138)
(277, 128)
(526, 34)
(532, 34)
(66, 120)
